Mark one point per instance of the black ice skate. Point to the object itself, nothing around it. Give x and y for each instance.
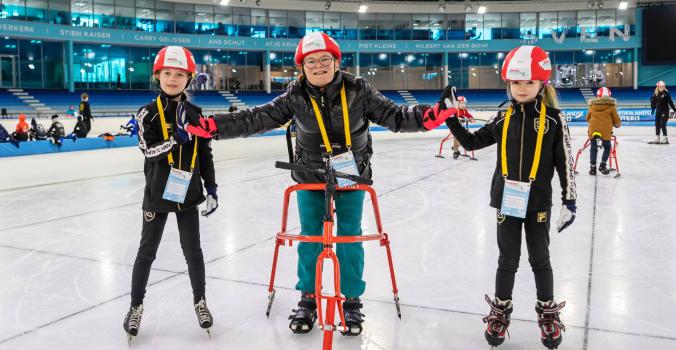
(549, 323)
(303, 318)
(132, 322)
(456, 155)
(497, 321)
(204, 316)
(592, 170)
(604, 169)
(353, 316)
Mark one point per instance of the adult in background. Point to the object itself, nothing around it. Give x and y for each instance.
(86, 112)
(659, 106)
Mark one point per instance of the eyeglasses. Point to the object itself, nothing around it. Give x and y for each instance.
(324, 61)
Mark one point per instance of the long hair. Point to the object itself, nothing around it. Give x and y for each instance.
(550, 96)
(657, 90)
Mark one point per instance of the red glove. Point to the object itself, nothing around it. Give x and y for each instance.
(206, 130)
(433, 117)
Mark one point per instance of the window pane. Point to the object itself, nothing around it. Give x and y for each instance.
(604, 20)
(587, 22)
(402, 26)
(52, 64)
(36, 10)
(14, 9)
(30, 63)
(474, 23)
(104, 13)
(492, 23)
(223, 20)
(164, 16)
(385, 30)
(528, 25)
(124, 14)
(204, 19)
(547, 24)
(259, 24)
(184, 15)
(421, 24)
(348, 23)
(81, 13)
(436, 27)
(145, 15)
(368, 26)
(297, 24)
(568, 23)
(278, 24)
(510, 26)
(58, 11)
(241, 18)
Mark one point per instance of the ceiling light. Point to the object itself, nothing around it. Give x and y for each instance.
(482, 9)
(363, 8)
(468, 8)
(224, 2)
(623, 5)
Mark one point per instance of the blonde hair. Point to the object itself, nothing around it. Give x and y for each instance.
(657, 90)
(550, 96)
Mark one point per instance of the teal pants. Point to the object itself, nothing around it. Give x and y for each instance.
(349, 207)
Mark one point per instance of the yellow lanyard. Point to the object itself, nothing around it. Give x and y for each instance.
(165, 134)
(538, 144)
(346, 121)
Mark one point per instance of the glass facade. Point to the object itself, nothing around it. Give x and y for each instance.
(40, 64)
(170, 17)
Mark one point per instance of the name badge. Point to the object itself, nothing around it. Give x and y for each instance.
(515, 198)
(177, 185)
(345, 163)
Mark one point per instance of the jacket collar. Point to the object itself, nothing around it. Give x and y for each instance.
(332, 89)
(532, 109)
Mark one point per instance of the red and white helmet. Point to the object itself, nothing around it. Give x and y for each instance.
(661, 83)
(462, 99)
(527, 62)
(315, 42)
(603, 92)
(175, 57)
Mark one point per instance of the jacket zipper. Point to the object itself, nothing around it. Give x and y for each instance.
(523, 123)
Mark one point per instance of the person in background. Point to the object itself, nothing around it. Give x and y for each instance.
(56, 132)
(465, 117)
(21, 133)
(86, 112)
(660, 102)
(601, 116)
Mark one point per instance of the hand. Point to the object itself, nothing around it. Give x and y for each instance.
(207, 128)
(212, 202)
(566, 217)
(444, 109)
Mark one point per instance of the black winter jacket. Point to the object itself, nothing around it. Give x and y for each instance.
(85, 110)
(156, 149)
(365, 105)
(660, 103)
(80, 129)
(521, 140)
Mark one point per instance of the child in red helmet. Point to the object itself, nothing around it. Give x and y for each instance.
(602, 117)
(533, 140)
(176, 163)
(464, 116)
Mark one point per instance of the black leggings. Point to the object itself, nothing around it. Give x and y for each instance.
(661, 124)
(593, 151)
(536, 226)
(151, 234)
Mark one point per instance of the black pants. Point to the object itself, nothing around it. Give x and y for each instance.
(661, 124)
(151, 234)
(88, 123)
(536, 226)
(593, 151)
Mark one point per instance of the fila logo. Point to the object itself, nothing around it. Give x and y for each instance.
(148, 215)
(542, 216)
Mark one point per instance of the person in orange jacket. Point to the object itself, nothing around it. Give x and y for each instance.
(602, 117)
(22, 128)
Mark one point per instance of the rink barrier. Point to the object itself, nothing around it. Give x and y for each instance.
(84, 144)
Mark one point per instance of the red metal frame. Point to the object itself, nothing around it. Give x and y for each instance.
(612, 157)
(450, 136)
(327, 239)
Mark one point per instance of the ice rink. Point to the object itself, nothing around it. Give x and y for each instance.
(71, 226)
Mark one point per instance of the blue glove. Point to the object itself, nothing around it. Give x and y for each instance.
(181, 135)
(567, 216)
(212, 202)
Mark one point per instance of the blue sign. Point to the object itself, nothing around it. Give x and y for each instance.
(44, 31)
(626, 115)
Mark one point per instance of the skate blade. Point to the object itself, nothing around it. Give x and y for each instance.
(209, 333)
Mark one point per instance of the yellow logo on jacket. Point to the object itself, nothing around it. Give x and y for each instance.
(536, 125)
